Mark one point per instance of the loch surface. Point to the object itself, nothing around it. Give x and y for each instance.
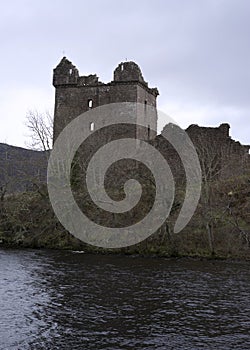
(71, 300)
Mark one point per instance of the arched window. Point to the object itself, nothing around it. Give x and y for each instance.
(90, 103)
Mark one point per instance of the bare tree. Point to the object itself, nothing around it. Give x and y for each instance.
(40, 127)
(210, 153)
(234, 200)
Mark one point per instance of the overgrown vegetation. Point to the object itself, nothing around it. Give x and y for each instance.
(27, 220)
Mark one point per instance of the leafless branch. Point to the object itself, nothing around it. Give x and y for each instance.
(40, 127)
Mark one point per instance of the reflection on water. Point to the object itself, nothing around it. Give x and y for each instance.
(67, 300)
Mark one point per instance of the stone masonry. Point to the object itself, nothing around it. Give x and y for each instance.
(77, 94)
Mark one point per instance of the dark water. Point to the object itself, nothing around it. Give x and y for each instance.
(66, 300)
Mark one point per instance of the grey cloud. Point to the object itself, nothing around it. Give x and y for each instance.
(194, 51)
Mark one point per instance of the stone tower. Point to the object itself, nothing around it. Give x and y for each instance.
(77, 94)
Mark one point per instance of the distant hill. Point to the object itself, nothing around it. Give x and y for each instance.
(21, 169)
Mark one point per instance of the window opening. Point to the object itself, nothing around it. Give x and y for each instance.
(90, 103)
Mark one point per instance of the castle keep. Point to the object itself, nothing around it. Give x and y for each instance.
(76, 94)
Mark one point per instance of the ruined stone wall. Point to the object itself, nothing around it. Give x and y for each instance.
(217, 150)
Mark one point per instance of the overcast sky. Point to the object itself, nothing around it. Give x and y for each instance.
(197, 52)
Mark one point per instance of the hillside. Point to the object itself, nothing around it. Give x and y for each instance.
(20, 168)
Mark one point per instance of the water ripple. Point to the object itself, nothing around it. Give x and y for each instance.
(65, 300)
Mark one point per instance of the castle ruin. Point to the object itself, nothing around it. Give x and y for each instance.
(76, 94)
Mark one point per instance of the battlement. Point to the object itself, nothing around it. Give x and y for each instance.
(66, 74)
